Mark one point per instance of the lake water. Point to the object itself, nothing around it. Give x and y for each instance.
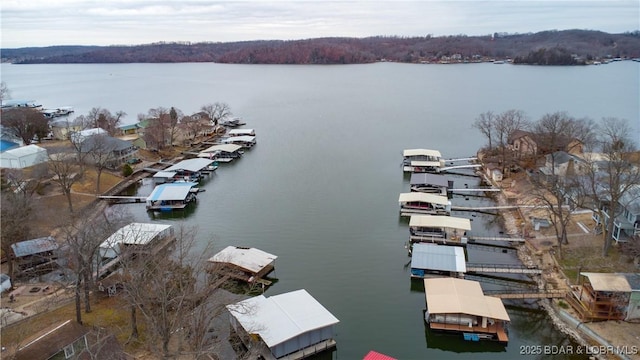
(320, 188)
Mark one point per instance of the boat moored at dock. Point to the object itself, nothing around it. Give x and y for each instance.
(422, 160)
(430, 183)
(415, 203)
(446, 230)
(171, 196)
(460, 306)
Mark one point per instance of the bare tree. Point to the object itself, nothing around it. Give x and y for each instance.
(66, 173)
(100, 150)
(554, 188)
(613, 175)
(175, 115)
(166, 289)
(16, 212)
(156, 133)
(25, 123)
(485, 123)
(193, 126)
(504, 125)
(82, 237)
(5, 93)
(217, 111)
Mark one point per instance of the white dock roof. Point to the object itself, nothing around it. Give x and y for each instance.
(418, 152)
(222, 147)
(236, 132)
(134, 234)
(423, 197)
(438, 257)
(281, 317)
(165, 174)
(250, 259)
(243, 138)
(457, 296)
(172, 191)
(438, 221)
(192, 165)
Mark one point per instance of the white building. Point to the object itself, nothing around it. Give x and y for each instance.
(22, 157)
(292, 323)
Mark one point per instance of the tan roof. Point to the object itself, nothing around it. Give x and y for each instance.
(416, 152)
(608, 282)
(423, 197)
(458, 296)
(440, 222)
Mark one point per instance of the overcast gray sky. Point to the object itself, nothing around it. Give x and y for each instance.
(110, 22)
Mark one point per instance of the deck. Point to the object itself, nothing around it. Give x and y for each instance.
(496, 329)
(502, 268)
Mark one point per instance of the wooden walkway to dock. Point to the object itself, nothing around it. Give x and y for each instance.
(501, 268)
(123, 199)
(527, 294)
(485, 238)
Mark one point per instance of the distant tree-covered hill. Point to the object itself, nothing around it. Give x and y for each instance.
(547, 47)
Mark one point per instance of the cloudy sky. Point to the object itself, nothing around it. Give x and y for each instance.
(109, 22)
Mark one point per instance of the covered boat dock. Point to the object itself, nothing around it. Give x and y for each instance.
(415, 203)
(458, 305)
(430, 183)
(292, 325)
(246, 264)
(447, 230)
(171, 196)
(430, 260)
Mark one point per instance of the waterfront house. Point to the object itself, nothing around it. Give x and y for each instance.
(130, 129)
(70, 340)
(460, 306)
(430, 260)
(430, 183)
(522, 143)
(246, 264)
(62, 128)
(134, 239)
(626, 222)
(422, 160)
(171, 196)
(414, 203)
(446, 230)
(23, 157)
(111, 152)
(292, 325)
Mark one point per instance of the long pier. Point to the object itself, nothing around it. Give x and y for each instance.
(123, 199)
(474, 238)
(501, 268)
(469, 166)
(473, 190)
(527, 294)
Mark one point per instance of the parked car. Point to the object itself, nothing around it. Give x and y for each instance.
(133, 161)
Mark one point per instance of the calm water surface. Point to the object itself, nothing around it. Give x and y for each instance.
(320, 189)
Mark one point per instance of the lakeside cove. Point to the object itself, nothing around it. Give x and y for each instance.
(329, 209)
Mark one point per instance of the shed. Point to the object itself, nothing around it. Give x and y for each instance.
(34, 246)
(437, 259)
(22, 157)
(286, 323)
(633, 312)
(252, 261)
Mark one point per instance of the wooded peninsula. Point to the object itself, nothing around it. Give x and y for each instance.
(567, 47)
